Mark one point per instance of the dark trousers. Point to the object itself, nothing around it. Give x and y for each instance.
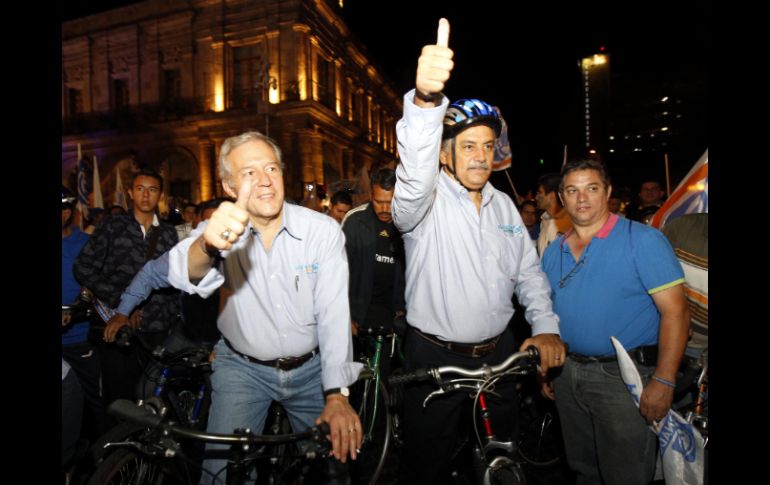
(71, 414)
(83, 359)
(431, 434)
(121, 369)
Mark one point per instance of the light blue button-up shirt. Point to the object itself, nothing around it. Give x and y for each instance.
(285, 301)
(462, 266)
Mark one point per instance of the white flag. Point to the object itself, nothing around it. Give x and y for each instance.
(97, 187)
(681, 445)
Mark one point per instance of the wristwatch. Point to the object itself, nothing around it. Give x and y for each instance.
(337, 390)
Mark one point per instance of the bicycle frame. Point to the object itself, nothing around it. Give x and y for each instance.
(490, 455)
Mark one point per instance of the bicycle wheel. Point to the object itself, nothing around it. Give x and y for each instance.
(127, 466)
(540, 442)
(504, 471)
(377, 425)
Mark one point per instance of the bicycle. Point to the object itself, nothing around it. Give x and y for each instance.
(181, 393)
(372, 401)
(158, 456)
(493, 459)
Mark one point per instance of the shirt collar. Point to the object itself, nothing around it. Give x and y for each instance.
(458, 190)
(603, 232)
(289, 222)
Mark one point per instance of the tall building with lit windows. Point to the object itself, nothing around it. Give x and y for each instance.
(163, 83)
(633, 120)
(595, 77)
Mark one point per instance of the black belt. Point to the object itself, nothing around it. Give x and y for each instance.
(644, 355)
(284, 363)
(481, 349)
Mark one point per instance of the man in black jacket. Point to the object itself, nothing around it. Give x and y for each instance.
(376, 291)
(114, 253)
(376, 258)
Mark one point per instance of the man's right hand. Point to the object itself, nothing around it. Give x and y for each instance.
(113, 325)
(229, 219)
(433, 67)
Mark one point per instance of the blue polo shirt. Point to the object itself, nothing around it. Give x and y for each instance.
(608, 292)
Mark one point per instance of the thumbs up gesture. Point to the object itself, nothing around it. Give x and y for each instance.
(433, 67)
(229, 221)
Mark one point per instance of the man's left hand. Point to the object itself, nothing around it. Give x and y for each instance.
(655, 401)
(551, 348)
(345, 427)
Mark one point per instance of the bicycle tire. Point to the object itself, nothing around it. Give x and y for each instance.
(128, 466)
(540, 442)
(504, 472)
(374, 448)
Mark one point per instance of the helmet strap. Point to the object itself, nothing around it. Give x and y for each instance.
(453, 170)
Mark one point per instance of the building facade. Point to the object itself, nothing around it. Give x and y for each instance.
(163, 83)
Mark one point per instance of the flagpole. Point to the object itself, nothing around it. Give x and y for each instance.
(516, 195)
(668, 179)
(564, 161)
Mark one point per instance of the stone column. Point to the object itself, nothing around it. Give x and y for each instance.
(205, 168)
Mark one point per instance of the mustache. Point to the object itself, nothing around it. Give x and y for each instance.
(482, 165)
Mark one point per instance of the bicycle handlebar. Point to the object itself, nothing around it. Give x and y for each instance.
(130, 411)
(194, 356)
(485, 371)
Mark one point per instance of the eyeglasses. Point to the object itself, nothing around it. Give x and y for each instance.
(563, 280)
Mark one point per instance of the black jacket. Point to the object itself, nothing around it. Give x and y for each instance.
(114, 253)
(360, 230)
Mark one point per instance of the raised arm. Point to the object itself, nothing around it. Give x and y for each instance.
(419, 133)
(153, 275)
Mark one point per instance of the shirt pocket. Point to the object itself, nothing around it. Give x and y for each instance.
(303, 287)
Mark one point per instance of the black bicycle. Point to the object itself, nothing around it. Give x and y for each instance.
(494, 461)
(180, 392)
(158, 455)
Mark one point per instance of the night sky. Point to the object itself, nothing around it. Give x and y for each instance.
(522, 57)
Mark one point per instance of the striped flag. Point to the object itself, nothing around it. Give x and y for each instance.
(690, 196)
(503, 155)
(97, 186)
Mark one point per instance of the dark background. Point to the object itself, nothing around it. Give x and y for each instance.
(523, 57)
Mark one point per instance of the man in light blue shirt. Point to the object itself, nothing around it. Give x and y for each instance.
(467, 252)
(283, 275)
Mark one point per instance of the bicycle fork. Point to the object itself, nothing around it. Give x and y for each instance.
(495, 455)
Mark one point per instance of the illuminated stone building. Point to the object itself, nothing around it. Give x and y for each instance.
(163, 83)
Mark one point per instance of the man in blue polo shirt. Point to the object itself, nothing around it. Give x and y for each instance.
(612, 277)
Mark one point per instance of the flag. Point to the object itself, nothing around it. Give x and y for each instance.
(82, 188)
(120, 195)
(97, 187)
(681, 445)
(503, 155)
(691, 196)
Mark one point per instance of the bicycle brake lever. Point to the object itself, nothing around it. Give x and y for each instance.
(431, 396)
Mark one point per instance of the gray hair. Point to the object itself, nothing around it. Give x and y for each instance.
(230, 144)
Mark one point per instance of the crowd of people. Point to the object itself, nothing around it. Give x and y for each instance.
(280, 292)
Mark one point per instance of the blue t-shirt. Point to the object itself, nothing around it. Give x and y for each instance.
(70, 248)
(608, 293)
